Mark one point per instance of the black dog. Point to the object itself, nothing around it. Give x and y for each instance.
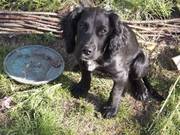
(101, 41)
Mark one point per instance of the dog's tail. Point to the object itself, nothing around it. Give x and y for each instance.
(139, 69)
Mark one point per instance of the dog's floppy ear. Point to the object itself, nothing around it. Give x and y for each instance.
(118, 38)
(69, 27)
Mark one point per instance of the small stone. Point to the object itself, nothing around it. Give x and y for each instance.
(176, 61)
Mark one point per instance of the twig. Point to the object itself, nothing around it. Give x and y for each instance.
(152, 21)
(25, 12)
(142, 28)
(157, 35)
(139, 34)
(29, 17)
(19, 30)
(14, 20)
(147, 42)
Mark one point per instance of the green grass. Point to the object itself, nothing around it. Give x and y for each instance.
(35, 5)
(140, 9)
(144, 9)
(127, 9)
(50, 109)
(167, 120)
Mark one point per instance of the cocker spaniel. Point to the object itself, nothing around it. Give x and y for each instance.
(100, 41)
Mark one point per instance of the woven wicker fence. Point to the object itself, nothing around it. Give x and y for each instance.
(15, 23)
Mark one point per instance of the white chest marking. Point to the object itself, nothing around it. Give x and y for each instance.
(91, 65)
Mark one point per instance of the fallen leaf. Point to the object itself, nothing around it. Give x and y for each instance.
(5, 103)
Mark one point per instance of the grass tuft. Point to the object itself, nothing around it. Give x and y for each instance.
(140, 9)
(167, 120)
(35, 5)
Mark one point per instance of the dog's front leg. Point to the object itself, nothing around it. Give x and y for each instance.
(110, 109)
(81, 89)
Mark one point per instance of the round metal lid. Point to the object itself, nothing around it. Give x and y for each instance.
(33, 64)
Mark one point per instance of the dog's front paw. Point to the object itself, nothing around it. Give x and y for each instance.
(109, 111)
(79, 90)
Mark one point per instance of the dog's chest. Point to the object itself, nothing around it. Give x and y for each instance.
(102, 65)
(91, 65)
(112, 66)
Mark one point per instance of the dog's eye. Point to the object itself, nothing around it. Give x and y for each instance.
(103, 31)
(83, 26)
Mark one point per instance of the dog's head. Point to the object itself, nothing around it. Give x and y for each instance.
(87, 32)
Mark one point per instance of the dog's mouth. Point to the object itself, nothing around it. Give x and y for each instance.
(86, 58)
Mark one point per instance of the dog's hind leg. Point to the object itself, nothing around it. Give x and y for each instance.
(141, 89)
(138, 89)
(152, 92)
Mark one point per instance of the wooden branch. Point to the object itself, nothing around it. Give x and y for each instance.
(10, 25)
(38, 21)
(18, 30)
(141, 28)
(153, 21)
(152, 29)
(157, 35)
(29, 17)
(170, 25)
(34, 23)
(26, 12)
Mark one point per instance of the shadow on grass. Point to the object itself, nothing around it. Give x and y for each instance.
(68, 83)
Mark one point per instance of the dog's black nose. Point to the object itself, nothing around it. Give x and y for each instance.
(87, 51)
